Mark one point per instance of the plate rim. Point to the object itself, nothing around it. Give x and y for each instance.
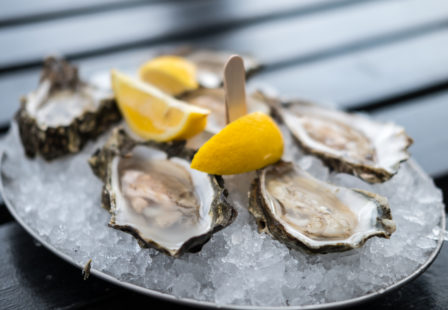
(207, 304)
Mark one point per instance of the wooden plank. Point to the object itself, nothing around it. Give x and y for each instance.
(426, 122)
(353, 79)
(335, 32)
(299, 37)
(14, 11)
(157, 21)
(12, 87)
(293, 40)
(33, 278)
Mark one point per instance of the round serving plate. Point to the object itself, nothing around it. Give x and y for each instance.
(197, 303)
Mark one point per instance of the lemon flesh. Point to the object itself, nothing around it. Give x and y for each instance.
(248, 143)
(153, 115)
(172, 74)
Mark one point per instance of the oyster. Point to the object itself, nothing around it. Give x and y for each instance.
(348, 142)
(153, 194)
(214, 100)
(64, 112)
(210, 64)
(305, 213)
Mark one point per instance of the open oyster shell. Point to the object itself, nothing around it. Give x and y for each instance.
(153, 194)
(347, 142)
(210, 64)
(214, 100)
(64, 112)
(305, 213)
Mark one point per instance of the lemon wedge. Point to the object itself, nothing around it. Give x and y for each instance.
(172, 74)
(248, 143)
(154, 115)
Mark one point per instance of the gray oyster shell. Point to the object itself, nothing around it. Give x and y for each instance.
(210, 64)
(348, 142)
(307, 214)
(137, 177)
(63, 113)
(214, 100)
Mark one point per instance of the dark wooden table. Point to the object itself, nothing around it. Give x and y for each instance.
(389, 58)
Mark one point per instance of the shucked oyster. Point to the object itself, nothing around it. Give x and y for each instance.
(348, 142)
(305, 213)
(64, 112)
(210, 64)
(153, 194)
(214, 100)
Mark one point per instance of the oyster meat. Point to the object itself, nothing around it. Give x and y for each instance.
(152, 193)
(214, 100)
(64, 112)
(347, 142)
(305, 213)
(210, 64)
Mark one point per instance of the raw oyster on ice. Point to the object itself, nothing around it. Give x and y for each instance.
(153, 194)
(214, 100)
(64, 112)
(305, 213)
(347, 142)
(210, 64)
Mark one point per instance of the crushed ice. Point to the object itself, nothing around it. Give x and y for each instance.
(61, 202)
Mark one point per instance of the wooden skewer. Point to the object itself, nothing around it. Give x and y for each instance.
(235, 88)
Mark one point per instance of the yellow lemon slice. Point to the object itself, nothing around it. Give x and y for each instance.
(249, 143)
(152, 114)
(172, 74)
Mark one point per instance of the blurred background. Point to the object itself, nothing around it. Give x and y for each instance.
(388, 58)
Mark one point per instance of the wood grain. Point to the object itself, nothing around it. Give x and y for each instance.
(373, 72)
(15, 12)
(425, 121)
(33, 278)
(359, 77)
(133, 25)
(306, 34)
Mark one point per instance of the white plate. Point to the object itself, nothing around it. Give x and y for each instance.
(6, 181)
